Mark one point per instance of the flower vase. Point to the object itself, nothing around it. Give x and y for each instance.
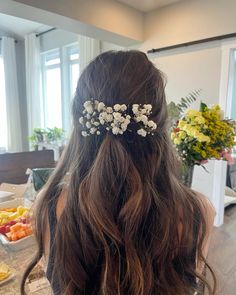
(187, 175)
(211, 182)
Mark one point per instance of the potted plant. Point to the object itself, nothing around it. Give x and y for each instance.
(49, 138)
(37, 137)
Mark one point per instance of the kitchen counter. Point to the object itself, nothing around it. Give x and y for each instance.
(18, 262)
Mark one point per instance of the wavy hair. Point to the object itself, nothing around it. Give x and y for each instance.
(119, 232)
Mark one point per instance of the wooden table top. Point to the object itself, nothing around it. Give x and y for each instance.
(18, 261)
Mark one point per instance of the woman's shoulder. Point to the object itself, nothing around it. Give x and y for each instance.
(208, 213)
(206, 206)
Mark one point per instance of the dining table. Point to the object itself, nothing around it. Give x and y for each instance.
(18, 257)
(18, 261)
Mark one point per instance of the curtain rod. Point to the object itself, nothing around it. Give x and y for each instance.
(201, 41)
(45, 32)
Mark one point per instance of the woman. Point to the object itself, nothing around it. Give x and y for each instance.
(114, 218)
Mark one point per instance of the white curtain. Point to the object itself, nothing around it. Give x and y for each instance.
(14, 133)
(33, 92)
(88, 49)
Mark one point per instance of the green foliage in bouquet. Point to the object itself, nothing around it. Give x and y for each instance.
(176, 110)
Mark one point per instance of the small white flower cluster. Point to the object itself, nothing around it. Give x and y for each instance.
(141, 114)
(97, 117)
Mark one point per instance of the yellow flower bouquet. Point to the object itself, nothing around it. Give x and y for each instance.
(203, 135)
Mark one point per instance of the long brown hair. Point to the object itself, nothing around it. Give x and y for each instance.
(119, 230)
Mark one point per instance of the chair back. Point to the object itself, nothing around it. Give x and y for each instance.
(13, 166)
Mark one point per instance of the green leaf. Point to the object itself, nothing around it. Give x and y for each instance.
(203, 106)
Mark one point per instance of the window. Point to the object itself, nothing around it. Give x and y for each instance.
(52, 89)
(233, 92)
(233, 87)
(74, 67)
(60, 72)
(3, 113)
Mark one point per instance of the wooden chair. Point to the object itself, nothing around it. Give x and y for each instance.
(13, 166)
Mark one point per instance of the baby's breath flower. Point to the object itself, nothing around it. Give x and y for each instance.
(87, 103)
(123, 107)
(144, 119)
(127, 121)
(142, 132)
(100, 106)
(88, 107)
(109, 110)
(135, 108)
(138, 118)
(152, 124)
(84, 133)
(93, 130)
(123, 126)
(148, 107)
(115, 130)
(88, 125)
(109, 118)
(117, 107)
(117, 116)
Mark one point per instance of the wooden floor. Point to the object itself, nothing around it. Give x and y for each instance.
(222, 253)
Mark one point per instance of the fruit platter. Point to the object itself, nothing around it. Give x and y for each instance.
(15, 226)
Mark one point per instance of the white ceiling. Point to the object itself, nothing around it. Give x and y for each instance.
(148, 5)
(18, 27)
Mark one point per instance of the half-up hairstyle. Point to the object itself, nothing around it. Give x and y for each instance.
(119, 232)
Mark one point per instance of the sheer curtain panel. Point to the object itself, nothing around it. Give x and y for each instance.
(14, 132)
(89, 48)
(34, 97)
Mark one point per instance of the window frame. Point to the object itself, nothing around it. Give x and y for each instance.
(66, 81)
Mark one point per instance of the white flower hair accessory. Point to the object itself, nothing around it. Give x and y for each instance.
(98, 117)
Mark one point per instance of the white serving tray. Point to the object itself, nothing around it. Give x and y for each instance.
(24, 242)
(5, 196)
(17, 245)
(15, 203)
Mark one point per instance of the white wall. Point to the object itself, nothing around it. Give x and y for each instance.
(55, 39)
(192, 69)
(187, 21)
(107, 20)
(59, 38)
(195, 67)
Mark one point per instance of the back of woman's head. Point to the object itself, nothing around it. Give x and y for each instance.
(119, 231)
